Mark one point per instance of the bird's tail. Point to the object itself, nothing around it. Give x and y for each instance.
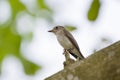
(76, 56)
(81, 56)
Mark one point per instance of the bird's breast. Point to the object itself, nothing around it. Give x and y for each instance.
(64, 42)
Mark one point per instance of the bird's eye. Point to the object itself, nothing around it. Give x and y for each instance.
(56, 27)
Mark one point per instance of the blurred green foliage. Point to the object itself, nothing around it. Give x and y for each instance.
(94, 10)
(10, 45)
(70, 28)
(10, 40)
(42, 5)
(16, 7)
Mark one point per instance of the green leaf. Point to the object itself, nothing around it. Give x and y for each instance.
(94, 10)
(16, 7)
(70, 28)
(10, 45)
(9, 42)
(42, 5)
(29, 67)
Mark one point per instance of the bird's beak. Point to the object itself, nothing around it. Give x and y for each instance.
(51, 30)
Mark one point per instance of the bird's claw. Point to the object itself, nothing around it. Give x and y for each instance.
(65, 50)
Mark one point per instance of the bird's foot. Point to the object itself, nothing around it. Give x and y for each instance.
(64, 51)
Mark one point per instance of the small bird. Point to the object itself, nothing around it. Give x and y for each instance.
(67, 41)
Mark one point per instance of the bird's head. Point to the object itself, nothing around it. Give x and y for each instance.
(57, 29)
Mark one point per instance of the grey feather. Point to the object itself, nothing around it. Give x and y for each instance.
(73, 41)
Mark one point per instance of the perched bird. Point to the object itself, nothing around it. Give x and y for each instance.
(67, 41)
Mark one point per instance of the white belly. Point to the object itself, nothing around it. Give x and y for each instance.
(64, 41)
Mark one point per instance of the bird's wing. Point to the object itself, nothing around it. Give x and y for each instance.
(71, 38)
(73, 41)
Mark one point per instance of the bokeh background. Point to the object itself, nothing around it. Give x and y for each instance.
(29, 52)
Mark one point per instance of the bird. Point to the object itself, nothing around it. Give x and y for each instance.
(67, 41)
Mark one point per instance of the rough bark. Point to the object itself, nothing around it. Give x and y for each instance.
(102, 65)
